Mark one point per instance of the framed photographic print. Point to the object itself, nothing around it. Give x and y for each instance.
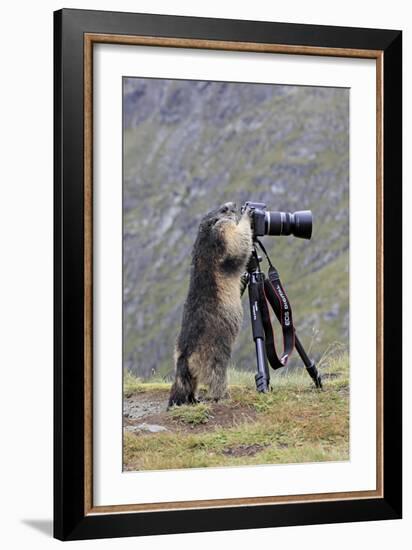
(227, 274)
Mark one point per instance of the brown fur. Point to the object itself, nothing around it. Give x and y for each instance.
(213, 311)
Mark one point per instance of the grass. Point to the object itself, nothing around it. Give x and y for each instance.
(191, 415)
(133, 384)
(294, 423)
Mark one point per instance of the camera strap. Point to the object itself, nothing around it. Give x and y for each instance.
(275, 295)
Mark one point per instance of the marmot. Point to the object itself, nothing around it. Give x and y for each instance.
(212, 313)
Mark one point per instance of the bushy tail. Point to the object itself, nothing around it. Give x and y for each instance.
(184, 386)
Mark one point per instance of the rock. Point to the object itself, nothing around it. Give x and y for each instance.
(152, 428)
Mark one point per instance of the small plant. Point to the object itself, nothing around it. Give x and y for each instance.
(188, 414)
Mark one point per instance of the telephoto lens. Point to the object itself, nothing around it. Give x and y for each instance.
(298, 224)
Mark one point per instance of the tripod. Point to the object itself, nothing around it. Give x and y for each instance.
(261, 328)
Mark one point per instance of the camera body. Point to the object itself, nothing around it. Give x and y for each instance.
(265, 222)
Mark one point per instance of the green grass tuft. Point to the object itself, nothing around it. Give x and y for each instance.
(189, 414)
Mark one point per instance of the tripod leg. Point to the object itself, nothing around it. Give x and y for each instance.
(262, 377)
(309, 363)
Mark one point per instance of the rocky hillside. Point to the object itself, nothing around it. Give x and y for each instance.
(190, 146)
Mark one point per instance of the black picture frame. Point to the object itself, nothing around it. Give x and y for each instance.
(71, 521)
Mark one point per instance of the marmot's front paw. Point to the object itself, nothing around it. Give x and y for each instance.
(248, 215)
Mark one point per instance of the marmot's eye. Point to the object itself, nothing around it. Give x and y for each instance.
(224, 210)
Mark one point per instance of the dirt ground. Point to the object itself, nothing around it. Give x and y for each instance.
(145, 410)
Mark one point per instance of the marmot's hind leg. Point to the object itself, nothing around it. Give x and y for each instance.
(218, 381)
(185, 384)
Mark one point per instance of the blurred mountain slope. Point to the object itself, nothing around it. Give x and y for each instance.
(190, 146)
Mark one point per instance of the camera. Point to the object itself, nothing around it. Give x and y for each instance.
(264, 222)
